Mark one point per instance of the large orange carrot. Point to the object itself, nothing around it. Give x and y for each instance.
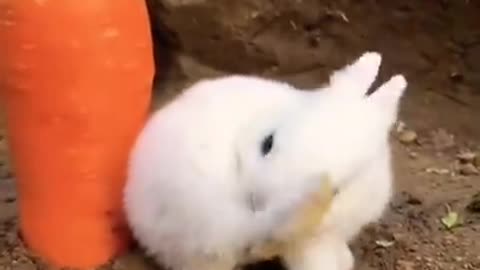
(76, 80)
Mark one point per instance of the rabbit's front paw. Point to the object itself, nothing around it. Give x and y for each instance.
(346, 260)
(323, 253)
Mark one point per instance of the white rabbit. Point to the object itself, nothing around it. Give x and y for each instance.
(185, 197)
(228, 160)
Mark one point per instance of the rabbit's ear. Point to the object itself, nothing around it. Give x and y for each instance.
(388, 95)
(355, 79)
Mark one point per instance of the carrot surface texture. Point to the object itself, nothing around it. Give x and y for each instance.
(76, 80)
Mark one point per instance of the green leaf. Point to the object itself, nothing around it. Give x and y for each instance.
(451, 220)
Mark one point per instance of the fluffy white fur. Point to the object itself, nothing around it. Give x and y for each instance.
(322, 252)
(197, 166)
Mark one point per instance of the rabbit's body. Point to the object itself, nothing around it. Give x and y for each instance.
(186, 200)
(224, 164)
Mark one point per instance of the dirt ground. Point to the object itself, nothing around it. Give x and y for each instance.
(433, 222)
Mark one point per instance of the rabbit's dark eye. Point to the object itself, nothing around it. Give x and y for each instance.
(267, 144)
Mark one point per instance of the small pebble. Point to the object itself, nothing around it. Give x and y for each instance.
(467, 157)
(400, 126)
(407, 136)
(468, 169)
(384, 243)
(438, 171)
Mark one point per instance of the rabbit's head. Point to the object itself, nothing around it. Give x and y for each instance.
(338, 129)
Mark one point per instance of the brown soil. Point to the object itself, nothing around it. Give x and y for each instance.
(435, 43)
